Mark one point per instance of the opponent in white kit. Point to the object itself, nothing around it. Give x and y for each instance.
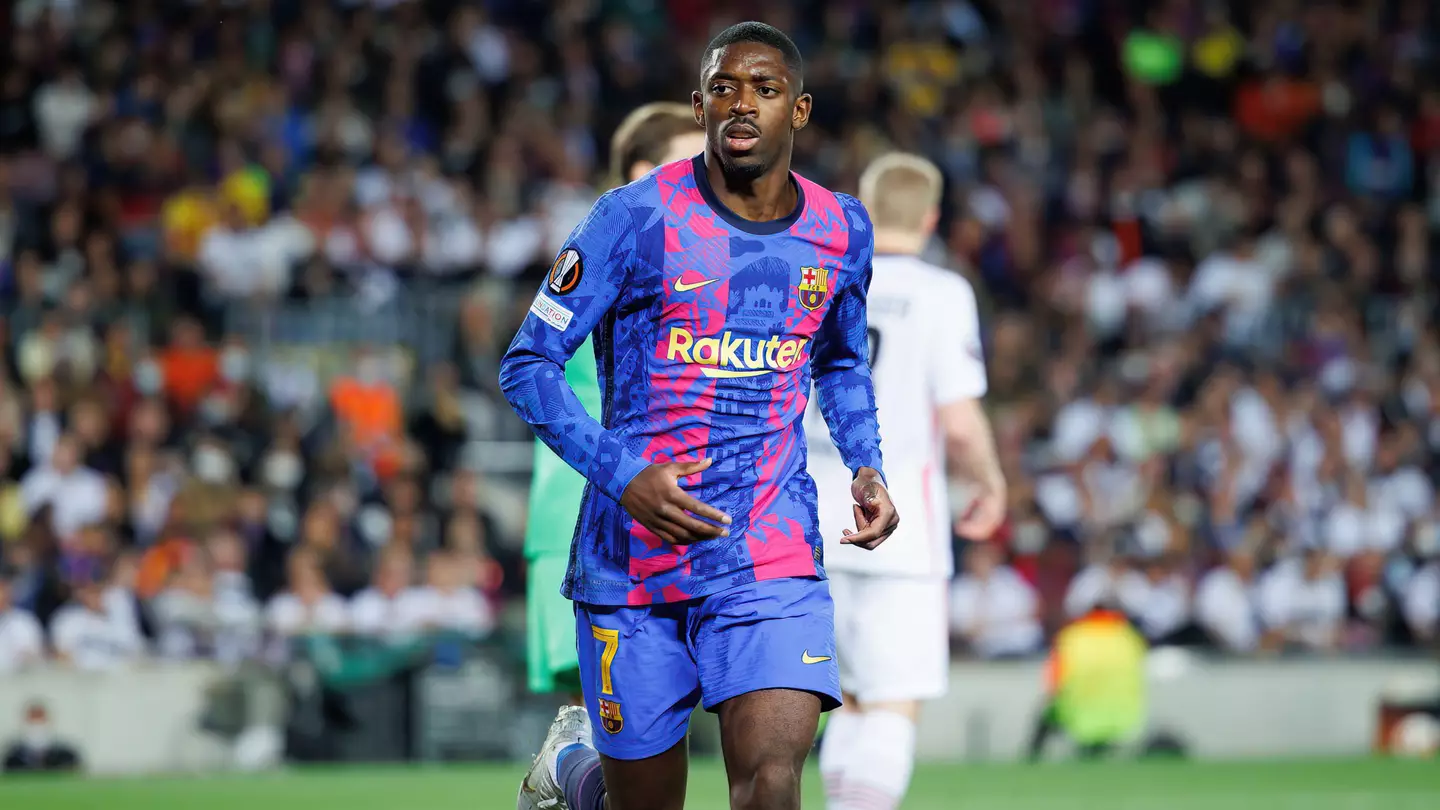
(892, 642)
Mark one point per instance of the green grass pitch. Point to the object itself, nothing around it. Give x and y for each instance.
(1316, 785)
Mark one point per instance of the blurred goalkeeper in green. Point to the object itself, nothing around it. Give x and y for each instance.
(651, 136)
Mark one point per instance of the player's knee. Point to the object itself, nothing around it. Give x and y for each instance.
(773, 783)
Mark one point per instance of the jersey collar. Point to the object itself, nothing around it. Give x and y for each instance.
(769, 227)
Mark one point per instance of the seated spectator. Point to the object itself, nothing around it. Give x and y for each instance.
(76, 494)
(377, 610)
(368, 407)
(448, 601)
(244, 261)
(1302, 600)
(307, 605)
(1421, 603)
(1226, 603)
(1361, 523)
(92, 632)
(1157, 597)
(1094, 583)
(992, 608)
(22, 642)
(37, 748)
(201, 615)
(189, 367)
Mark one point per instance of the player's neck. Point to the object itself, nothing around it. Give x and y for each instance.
(902, 243)
(770, 196)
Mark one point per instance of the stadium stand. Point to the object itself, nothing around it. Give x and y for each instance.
(260, 259)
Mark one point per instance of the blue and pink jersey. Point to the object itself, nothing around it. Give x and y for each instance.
(708, 328)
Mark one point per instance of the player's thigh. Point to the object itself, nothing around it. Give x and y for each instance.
(550, 629)
(767, 665)
(653, 783)
(765, 737)
(897, 648)
(639, 680)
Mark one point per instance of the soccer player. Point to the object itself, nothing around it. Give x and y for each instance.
(650, 136)
(715, 287)
(890, 606)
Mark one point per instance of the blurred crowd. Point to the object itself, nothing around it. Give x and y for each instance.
(1200, 231)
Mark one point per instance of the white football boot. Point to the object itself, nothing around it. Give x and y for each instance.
(541, 789)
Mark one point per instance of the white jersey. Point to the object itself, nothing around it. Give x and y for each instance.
(924, 353)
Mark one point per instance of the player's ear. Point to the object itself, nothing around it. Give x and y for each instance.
(697, 105)
(932, 218)
(800, 116)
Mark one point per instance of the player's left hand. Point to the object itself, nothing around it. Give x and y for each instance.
(875, 515)
(984, 516)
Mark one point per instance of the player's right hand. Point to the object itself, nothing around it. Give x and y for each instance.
(654, 498)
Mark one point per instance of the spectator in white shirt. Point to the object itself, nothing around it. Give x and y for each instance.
(93, 633)
(1226, 603)
(63, 111)
(76, 494)
(1157, 597)
(1302, 600)
(1362, 522)
(1422, 602)
(377, 610)
(308, 605)
(1096, 583)
(22, 642)
(241, 261)
(208, 611)
(1234, 282)
(993, 608)
(449, 601)
(1398, 483)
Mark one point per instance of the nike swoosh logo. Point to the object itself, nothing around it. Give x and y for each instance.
(807, 658)
(681, 286)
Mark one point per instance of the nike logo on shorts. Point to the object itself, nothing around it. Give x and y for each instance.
(807, 658)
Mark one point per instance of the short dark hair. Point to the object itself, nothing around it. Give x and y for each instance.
(645, 135)
(763, 34)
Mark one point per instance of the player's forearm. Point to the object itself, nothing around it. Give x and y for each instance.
(970, 444)
(847, 401)
(535, 386)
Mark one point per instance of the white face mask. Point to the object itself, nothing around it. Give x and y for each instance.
(148, 378)
(213, 465)
(369, 371)
(235, 365)
(283, 470)
(1427, 539)
(37, 735)
(1029, 537)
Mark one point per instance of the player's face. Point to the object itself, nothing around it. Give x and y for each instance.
(750, 106)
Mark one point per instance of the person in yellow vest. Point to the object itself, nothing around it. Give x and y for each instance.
(1096, 683)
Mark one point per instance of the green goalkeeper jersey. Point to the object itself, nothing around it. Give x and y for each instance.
(556, 488)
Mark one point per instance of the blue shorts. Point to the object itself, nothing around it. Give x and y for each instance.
(645, 669)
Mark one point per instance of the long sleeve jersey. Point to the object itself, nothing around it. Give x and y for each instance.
(707, 330)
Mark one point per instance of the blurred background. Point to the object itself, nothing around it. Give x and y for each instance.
(260, 497)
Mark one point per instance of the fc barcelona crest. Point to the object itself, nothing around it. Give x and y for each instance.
(814, 286)
(610, 718)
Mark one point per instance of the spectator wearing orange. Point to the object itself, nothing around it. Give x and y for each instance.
(190, 367)
(368, 410)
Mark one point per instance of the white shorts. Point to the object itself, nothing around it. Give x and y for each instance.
(892, 637)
